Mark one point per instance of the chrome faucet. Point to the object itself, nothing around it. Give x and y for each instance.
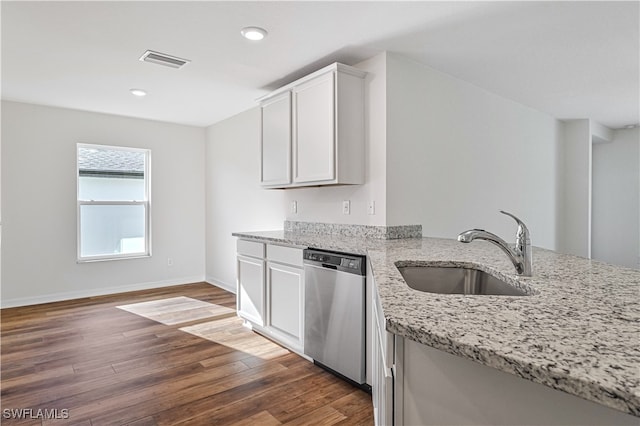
(520, 254)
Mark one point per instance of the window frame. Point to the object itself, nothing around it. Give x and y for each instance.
(146, 203)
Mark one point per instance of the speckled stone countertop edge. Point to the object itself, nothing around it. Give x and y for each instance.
(265, 238)
(337, 243)
(556, 379)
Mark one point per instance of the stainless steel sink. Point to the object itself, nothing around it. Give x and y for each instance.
(456, 280)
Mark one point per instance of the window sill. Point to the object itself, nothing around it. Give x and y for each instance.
(112, 258)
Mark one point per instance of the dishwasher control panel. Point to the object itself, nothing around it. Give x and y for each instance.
(341, 261)
(318, 257)
(350, 263)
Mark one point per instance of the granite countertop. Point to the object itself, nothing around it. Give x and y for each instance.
(578, 330)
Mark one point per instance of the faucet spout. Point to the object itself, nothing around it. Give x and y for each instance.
(519, 254)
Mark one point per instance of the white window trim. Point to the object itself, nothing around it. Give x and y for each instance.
(146, 202)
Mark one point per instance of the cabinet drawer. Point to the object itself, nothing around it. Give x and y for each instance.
(288, 255)
(251, 248)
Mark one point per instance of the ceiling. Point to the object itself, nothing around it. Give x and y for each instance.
(568, 59)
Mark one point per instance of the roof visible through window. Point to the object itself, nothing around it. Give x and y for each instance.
(105, 162)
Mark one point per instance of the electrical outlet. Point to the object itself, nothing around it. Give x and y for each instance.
(294, 207)
(346, 207)
(169, 261)
(371, 208)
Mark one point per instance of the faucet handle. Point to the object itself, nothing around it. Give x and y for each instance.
(523, 231)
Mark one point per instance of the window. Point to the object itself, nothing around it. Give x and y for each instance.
(113, 202)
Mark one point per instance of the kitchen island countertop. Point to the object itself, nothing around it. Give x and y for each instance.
(577, 331)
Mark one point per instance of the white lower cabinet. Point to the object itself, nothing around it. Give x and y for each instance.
(250, 299)
(434, 387)
(382, 386)
(271, 291)
(382, 358)
(285, 301)
(427, 386)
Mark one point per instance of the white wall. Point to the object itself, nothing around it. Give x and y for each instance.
(456, 154)
(0, 203)
(39, 204)
(234, 199)
(616, 199)
(324, 204)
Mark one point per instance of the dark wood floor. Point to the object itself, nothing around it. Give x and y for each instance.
(106, 366)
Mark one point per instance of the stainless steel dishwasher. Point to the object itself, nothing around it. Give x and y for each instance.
(334, 312)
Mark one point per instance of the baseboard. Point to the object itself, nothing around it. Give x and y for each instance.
(231, 288)
(70, 295)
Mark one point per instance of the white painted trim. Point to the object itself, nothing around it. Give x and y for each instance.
(336, 66)
(231, 288)
(70, 295)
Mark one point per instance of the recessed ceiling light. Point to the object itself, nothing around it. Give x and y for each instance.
(253, 33)
(138, 92)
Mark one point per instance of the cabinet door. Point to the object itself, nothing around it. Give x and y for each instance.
(285, 299)
(314, 130)
(377, 379)
(251, 289)
(276, 141)
(382, 387)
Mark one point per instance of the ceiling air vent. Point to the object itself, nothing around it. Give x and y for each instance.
(163, 59)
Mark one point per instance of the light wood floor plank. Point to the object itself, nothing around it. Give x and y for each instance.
(324, 415)
(263, 418)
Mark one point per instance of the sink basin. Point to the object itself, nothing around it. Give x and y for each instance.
(456, 280)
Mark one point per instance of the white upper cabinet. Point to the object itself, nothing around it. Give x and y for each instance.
(313, 130)
(276, 141)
